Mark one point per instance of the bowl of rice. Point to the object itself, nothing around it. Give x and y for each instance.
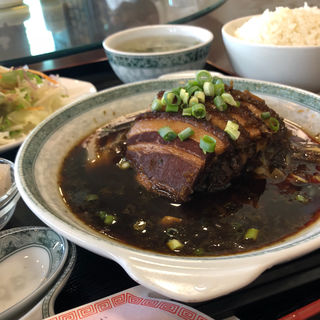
(281, 46)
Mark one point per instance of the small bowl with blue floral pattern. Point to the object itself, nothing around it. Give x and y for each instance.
(148, 52)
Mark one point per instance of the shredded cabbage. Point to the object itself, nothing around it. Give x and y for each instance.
(26, 98)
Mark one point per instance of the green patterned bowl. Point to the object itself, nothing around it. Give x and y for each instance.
(174, 48)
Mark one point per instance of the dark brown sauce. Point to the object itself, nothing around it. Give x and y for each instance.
(211, 224)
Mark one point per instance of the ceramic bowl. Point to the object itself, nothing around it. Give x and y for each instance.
(9, 199)
(188, 279)
(31, 258)
(135, 66)
(297, 66)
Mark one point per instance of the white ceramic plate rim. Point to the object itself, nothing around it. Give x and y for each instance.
(77, 89)
(150, 269)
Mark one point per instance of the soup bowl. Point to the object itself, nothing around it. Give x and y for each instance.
(147, 52)
(189, 279)
(292, 65)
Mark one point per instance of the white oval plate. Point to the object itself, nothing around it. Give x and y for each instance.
(189, 279)
(31, 258)
(76, 89)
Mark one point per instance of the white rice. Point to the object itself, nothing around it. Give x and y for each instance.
(284, 26)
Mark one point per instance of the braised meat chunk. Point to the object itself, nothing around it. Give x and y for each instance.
(200, 137)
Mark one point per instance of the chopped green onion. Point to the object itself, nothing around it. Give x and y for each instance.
(185, 134)
(184, 95)
(232, 129)
(191, 83)
(208, 88)
(91, 197)
(171, 99)
(203, 76)
(265, 115)
(251, 233)
(193, 100)
(199, 251)
(14, 133)
(156, 105)
(200, 95)
(102, 214)
(228, 98)
(274, 124)
(301, 198)
(167, 133)
(199, 111)
(217, 80)
(174, 244)
(193, 89)
(109, 219)
(172, 108)
(219, 103)
(187, 111)
(219, 89)
(207, 144)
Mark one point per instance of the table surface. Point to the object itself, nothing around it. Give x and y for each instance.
(276, 292)
(44, 29)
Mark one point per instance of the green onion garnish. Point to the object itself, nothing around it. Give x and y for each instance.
(200, 95)
(219, 89)
(109, 219)
(185, 134)
(207, 144)
(265, 115)
(208, 88)
(167, 133)
(187, 111)
(193, 89)
(184, 95)
(203, 76)
(172, 108)
(274, 124)
(251, 233)
(171, 99)
(174, 244)
(232, 129)
(199, 111)
(219, 103)
(156, 105)
(301, 198)
(193, 100)
(217, 80)
(228, 98)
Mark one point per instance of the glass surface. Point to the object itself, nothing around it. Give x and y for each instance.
(43, 29)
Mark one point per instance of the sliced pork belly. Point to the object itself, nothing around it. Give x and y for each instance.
(177, 168)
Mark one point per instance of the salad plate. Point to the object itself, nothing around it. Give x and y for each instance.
(76, 89)
(183, 278)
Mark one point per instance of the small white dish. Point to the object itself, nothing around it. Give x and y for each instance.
(31, 258)
(160, 51)
(136, 303)
(76, 89)
(45, 307)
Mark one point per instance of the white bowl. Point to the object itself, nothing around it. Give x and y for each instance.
(31, 259)
(297, 66)
(188, 279)
(133, 66)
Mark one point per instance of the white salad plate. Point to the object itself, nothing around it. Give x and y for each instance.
(188, 279)
(31, 258)
(136, 303)
(76, 89)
